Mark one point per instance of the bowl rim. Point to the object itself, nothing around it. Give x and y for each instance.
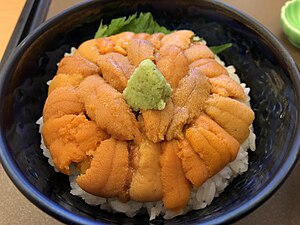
(63, 214)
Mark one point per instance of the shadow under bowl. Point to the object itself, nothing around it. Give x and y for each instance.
(260, 60)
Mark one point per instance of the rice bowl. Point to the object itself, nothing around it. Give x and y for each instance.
(199, 199)
(276, 138)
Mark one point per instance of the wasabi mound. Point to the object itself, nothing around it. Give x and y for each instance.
(147, 88)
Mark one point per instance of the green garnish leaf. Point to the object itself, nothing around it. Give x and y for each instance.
(220, 48)
(144, 23)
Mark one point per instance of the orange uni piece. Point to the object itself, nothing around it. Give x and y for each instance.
(176, 188)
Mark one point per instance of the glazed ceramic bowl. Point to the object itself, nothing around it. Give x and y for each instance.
(261, 61)
(290, 21)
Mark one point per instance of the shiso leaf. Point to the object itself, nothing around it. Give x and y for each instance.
(144, 23)
(220, 48)
(147, 88)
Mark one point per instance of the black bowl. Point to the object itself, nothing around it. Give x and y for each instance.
(261, 61)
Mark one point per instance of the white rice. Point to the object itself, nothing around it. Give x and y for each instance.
(72, 52)
(199, 199)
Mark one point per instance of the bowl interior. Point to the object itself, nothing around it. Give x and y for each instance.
(259, 62)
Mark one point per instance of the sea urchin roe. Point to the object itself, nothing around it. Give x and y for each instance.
(147, 88)
(180, 139)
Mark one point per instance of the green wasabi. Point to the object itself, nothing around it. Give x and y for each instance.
(147, 88)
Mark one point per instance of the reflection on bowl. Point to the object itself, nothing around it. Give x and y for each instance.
(259, 58)
(290, 21)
